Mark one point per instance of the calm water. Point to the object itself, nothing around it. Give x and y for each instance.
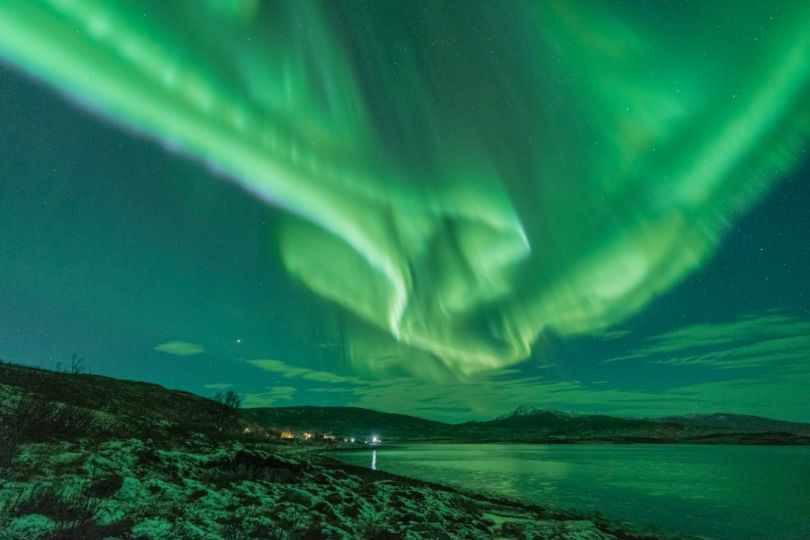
(715, 491)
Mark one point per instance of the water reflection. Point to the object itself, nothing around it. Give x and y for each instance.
(727, 492)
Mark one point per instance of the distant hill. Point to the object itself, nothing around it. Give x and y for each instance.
(351, 422)
(530, 424)
(538, 425)
(557, 425)
(739, 422)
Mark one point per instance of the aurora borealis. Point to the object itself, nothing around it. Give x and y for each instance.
(464, 190)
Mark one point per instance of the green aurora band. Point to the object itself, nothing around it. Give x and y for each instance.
(460, 177)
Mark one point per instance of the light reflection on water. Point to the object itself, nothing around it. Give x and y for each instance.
(717, 491)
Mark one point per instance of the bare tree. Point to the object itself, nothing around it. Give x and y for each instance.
(76, 367)
(230, 399)
(229, 411)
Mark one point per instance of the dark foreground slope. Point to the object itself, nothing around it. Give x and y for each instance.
(529, 424)
(86, 457)
(103, 405)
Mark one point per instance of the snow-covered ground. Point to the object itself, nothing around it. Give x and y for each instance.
(199, 489)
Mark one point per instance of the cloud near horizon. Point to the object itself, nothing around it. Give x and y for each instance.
(180, 348)
(287, 371)
(268, 398)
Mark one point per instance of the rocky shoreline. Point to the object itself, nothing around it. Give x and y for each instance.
(129, 488)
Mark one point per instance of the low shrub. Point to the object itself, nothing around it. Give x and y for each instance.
(249, 465)
(33, 419)
(9, 445)
(93, 531)
(105, 486)
(48, 501)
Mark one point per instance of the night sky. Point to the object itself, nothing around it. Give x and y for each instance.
(440, 209)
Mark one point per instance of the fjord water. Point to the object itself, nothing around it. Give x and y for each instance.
(712, 491)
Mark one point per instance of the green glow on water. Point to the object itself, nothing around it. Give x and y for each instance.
(462, 177)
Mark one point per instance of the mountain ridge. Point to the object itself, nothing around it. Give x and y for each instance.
(532, 424)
